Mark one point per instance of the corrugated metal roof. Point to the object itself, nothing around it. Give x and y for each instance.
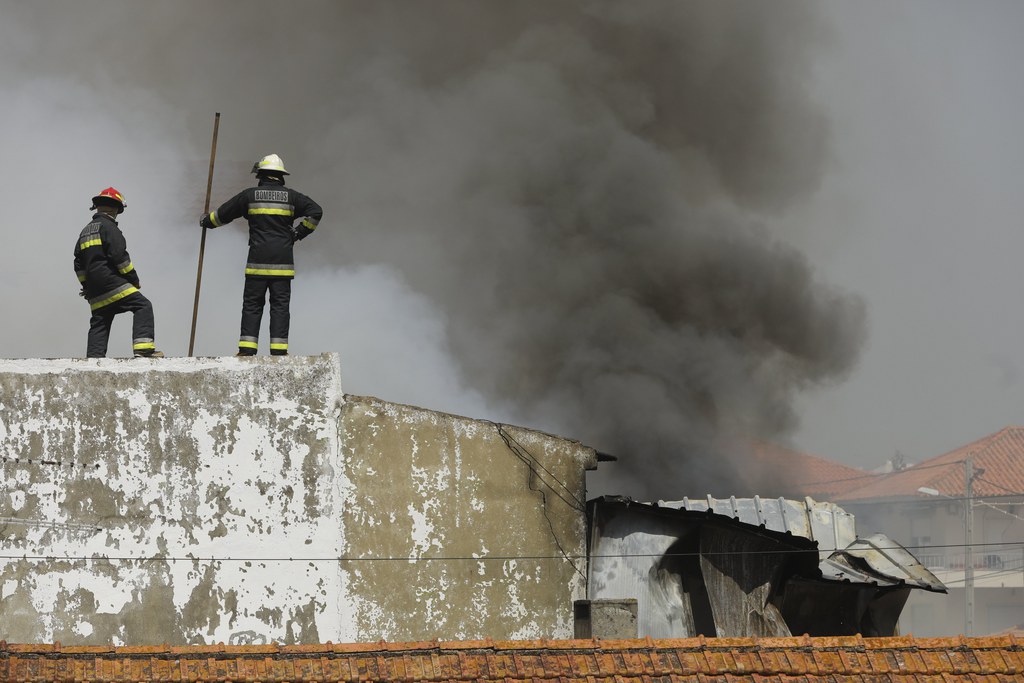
(738, 660)
(876, 559)
(827, 524)
(648, 551)
(644, 551)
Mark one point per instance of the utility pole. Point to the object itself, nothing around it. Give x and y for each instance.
(968, 541)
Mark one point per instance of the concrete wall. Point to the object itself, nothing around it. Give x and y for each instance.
(248, 500)
(491, 518)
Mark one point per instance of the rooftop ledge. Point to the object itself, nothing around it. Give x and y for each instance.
(171, 364)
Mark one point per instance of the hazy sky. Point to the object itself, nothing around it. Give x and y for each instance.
(892, 177)
(921, 214)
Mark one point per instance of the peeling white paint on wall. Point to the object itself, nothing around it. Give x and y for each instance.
(189, 469)
(466, 504)
(204, 500)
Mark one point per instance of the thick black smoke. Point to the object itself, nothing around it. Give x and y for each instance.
(575, 185)
(577, 191)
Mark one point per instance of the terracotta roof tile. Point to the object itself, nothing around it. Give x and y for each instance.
(989, 660)
(851, 659)
(1001, 455)
(803, 474)
(664, 662)
(691, 661)
(769, 660)
(826, 662)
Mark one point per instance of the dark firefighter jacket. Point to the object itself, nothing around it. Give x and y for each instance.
(102, 263)
(271, 208)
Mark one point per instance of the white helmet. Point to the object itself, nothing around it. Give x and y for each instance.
(271, 162)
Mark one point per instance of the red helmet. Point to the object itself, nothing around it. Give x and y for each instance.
(109, 196)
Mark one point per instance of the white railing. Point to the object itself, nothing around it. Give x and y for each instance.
(988, 559)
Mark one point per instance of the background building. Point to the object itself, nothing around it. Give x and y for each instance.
(924, 506)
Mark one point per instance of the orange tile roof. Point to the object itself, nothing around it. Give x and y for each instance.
(804, 474)
(1001, 455)
(712, 660)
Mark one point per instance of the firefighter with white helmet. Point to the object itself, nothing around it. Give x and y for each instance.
(270, 163)
(109, 280)
(271, 209)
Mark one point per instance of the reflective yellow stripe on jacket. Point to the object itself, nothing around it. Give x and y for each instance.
(271, 209)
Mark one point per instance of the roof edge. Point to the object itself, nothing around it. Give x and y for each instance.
(857, 642)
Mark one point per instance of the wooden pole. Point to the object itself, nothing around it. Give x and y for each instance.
(202, 240)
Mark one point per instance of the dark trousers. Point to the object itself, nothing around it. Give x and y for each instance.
(142, 325)
(254, 296)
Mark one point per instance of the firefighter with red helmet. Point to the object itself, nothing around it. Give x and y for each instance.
(109, 280)
(271, 209)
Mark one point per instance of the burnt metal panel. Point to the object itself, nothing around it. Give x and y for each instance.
(825, 608)
(755, 567)
(740, 570)
(662, 556)
(630, 558)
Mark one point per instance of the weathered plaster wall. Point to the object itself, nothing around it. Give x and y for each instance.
(184, 472)
(468, 529)
(246, 500)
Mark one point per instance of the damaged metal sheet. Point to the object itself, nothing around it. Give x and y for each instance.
(879, 560)
(747, 568)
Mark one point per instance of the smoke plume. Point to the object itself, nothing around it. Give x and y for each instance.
(575, 187)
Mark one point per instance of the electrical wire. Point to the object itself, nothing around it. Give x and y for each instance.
(530, 460)
(488, 558)
(918, 468)
(881, 475)
(976, 501)
(998, 486)
(533, 464)
(986, 576)
(509, 440)
(943, 497)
